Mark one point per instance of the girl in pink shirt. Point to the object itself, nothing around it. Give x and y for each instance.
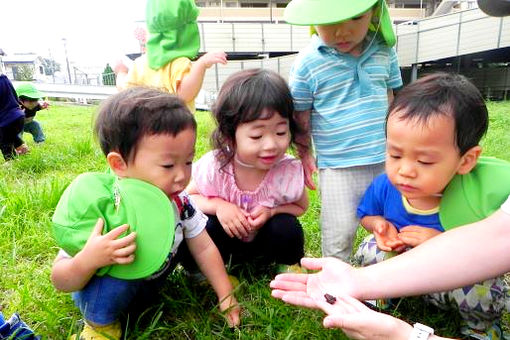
(251, 190)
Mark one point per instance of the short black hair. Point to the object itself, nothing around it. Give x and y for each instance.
(124, 118)
(446, 94)
(242, 99)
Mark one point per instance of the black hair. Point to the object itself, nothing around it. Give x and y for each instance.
(22, 97)
(127, 116)
(446, 94)
(242, 99)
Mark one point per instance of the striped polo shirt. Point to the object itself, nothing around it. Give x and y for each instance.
(348, 100)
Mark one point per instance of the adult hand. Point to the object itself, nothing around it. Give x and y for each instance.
(358, 321)
(333, 277)
(233, 219)
(415, 235)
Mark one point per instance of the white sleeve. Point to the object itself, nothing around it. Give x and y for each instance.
(506, 206)
(195, 221)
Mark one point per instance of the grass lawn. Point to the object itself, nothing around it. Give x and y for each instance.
(30, 189)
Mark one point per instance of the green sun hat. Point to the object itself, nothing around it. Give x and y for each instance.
(173, 31)
(144, 207)
(476, 195)
(326, 12)
(28, 90)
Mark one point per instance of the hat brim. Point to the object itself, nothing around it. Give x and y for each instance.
(327, 12)
(150, 215)
(144, 207)
(495, 8)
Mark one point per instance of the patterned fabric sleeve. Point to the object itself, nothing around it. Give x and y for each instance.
(206, 175)
(299, 85)
(288, 182)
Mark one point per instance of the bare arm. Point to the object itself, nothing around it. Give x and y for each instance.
(391, 96)
(303, 141)
(191, 84)
(209, 260)
(427, 268)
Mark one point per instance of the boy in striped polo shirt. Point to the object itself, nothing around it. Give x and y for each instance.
(342, 83)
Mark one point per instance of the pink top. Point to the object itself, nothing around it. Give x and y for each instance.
(283, 183)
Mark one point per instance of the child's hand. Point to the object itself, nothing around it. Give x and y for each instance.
(120, 67)
(44, 104)
(309, 168)
(211, 58)
(232, 309)
(259, 217)
(104, 250)
(233, 219)
(386, 236)
(414, 235)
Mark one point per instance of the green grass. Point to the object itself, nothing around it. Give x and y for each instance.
(29, 191)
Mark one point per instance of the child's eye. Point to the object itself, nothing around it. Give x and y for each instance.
(255, 137)
(281, 133)
(395, 156)
(425, 163)
(189, 163)
(168, 166)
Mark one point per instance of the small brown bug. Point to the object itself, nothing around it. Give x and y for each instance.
(330, 299)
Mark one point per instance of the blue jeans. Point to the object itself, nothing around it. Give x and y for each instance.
(104, 299)
(34, 128)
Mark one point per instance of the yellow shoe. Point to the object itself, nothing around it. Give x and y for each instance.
(108, 332)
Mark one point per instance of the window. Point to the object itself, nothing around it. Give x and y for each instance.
(41, 70)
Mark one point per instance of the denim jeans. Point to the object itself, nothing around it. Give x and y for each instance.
(104, 299)
(34, 128)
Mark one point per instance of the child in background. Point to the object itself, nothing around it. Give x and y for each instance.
(250, 189)
(11, 121)
(148, 137)
(173, 40)
(434, 127)
(342, 84)
(29, 98)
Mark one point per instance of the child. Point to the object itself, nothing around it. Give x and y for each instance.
(250, 189)
(29, 98)
(434, 127)
(11, 121)
(173, 40)
(147, 136)
(342, 84)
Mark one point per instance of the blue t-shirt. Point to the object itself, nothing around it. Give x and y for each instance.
(348, 100)
(383, 199)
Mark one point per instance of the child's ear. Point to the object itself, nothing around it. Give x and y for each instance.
(469, 160)
(116, 163)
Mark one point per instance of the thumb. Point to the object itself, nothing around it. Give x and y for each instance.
(98, 228)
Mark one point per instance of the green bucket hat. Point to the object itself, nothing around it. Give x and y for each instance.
(476, 195)
(173, 31)
(28, 90)
(326, 12)
(146, 209)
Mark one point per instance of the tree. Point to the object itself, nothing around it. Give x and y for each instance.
(108, 75)
(50, 66)
(24, 73)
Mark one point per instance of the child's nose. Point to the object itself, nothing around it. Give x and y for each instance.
(407, 170)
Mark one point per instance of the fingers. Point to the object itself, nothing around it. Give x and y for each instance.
(98, 228)
(124, 252)
(116, 232)
(314, 263)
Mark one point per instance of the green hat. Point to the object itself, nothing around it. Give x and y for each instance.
(326, 12)
(476, 195)
(146, 209)
(28, 90)
(173, 31)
